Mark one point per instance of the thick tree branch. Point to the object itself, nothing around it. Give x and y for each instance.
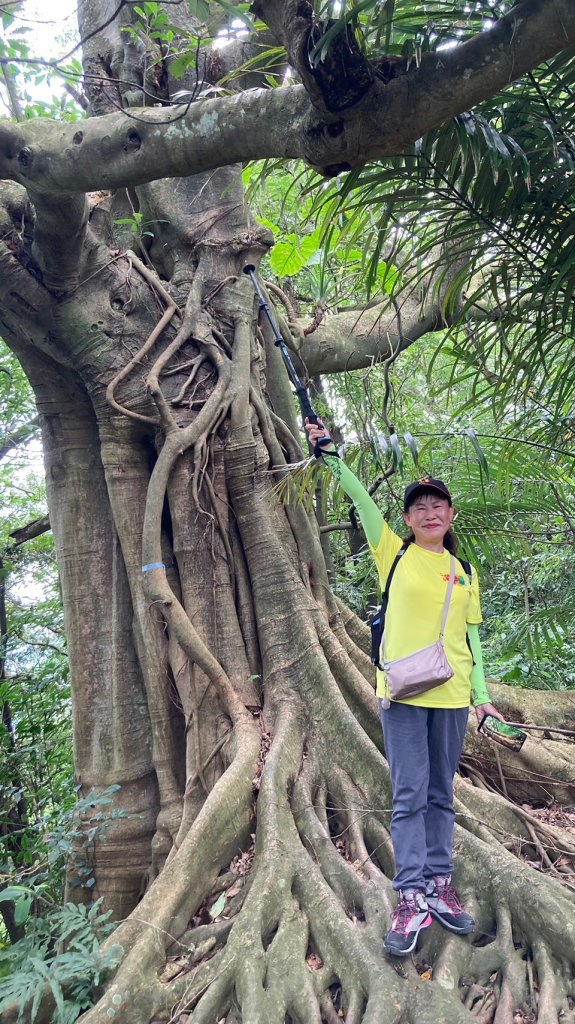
(61, 222)
(129, 149)
(350, 341)
(33, 529)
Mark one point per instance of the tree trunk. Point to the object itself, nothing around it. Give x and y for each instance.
(215, 679)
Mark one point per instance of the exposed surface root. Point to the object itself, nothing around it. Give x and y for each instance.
(303, 943)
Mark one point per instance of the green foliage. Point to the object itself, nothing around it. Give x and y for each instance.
(27, 79)
(36, 772)
(481, 210)
(387, 29)
(139, 227)
(330, 263)
(179, 48)
(61, 954)
(534, 646)
(16, 399)
(292, 254)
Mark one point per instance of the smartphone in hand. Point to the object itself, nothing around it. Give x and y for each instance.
(508, 735)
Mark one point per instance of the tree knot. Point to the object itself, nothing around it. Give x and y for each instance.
(25, 157)
(133, 140)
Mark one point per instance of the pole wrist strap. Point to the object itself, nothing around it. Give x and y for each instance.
(319, 450)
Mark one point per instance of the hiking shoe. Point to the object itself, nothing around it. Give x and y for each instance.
(408, 918)
(444, 904)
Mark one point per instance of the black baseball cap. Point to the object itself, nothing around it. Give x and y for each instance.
(427, 483)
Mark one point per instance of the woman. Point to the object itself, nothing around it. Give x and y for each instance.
(423, 734)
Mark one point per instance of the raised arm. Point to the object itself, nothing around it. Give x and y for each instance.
(369, 514)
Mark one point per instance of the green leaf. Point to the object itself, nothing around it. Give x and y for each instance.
(396, 450)
(14, 892)
(470, 433)
(22, 909)
(199, 9)
(275, 230)
(181, 64)
(289, 256)
(387, 276)
(218, 906)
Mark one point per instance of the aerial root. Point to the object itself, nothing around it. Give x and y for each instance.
(221, 827)
(252, 953)
(554, 985)
(171, 309)
(521, 951)
(305, 939)
(328, 1011)
(358, 694)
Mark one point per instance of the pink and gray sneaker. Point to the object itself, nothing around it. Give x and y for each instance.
(444, 904)
(409, 917)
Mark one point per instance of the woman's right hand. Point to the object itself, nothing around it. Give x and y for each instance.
(317, 431)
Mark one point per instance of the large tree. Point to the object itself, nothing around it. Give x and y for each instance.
(215, 678)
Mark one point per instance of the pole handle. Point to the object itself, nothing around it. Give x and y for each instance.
(322, 442)
(306, 406)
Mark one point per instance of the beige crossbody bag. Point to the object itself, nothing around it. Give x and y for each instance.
(422, 670)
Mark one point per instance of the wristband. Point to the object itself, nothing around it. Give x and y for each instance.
(319, 451)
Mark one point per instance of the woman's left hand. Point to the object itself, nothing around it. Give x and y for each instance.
(487, 709)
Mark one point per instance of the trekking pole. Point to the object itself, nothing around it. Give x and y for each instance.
(300, 390)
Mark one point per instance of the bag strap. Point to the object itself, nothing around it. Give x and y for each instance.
(446, 603)
(447, 596)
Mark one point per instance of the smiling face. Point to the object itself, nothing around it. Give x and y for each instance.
(429, 517)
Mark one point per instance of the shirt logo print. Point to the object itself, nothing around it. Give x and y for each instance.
(457, 579)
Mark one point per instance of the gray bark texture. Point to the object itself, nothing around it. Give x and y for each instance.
(215, 678)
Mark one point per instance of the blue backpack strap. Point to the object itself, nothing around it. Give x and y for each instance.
(377, 621)
(395, 563)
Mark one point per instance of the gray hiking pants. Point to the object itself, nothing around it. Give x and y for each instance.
(423, 747)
